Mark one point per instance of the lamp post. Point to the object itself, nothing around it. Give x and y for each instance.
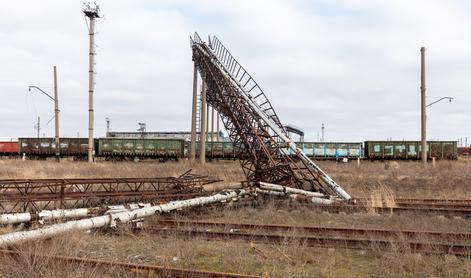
(443, 98)
(424, 106)
(56, 111)
(423, 152)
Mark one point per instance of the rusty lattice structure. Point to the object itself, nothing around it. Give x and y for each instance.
(253, 124)
(30, 195)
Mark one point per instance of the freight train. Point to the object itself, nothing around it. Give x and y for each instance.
(168, 149)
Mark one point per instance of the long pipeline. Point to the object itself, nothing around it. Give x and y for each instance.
(113, 219)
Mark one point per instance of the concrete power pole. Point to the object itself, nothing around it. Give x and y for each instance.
(423, 153)
(56, 116)
(323, 127)
(193, 113)
(108, 121)
(91, 11)
(203, 123)
(38, 126)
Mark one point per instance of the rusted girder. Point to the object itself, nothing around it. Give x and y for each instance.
(29, 195)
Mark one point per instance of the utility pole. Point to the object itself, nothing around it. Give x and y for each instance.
(56, 116)
(193, 113)
(423, 107)
(323, 127)
(107, 126)
(38, 127)
(91, 11)
(56, 112)
(203, 123)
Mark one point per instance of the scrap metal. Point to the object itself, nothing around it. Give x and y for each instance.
(31, 195)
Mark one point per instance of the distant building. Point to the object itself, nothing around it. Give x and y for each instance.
(185, 135)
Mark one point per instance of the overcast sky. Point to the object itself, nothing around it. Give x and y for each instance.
(351, 64)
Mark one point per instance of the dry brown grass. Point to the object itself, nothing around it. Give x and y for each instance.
(32, 260)
(289, 259)
(230, 171)
(450, 179)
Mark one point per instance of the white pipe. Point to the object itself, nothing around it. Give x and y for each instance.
(13, 218)
(269, 192)
(315, 200)
(298, 197)
(290, 190)
(22, 217)
(114, 218)
(62, 213)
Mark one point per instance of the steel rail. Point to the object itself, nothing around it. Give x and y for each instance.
(444, 211)
(321, 241)
(313, 229)
(423, 200)
(149, 269)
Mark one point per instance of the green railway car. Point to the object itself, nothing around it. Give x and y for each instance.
(218, 149)
(410, 149)
(152, 148)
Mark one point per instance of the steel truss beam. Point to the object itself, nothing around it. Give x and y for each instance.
(29, 195)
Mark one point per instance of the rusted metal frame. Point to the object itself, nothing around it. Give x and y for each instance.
(227, 110)
(276, 119)
(250, 168)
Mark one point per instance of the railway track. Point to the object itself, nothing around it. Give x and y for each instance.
(427, 203)
(139, 269)
(316, 229)
(345, 238)
(429, 209)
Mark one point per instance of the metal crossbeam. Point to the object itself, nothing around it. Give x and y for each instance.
(253, 123)
(29, 195)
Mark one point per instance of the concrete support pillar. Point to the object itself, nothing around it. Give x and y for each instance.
(203, 122)
(207, 122)
(193, 113)
(218, 136)
(56, 115)
(423, 107)
(212, 124)
(91, 88)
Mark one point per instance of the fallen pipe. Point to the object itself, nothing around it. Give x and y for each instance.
(289, 190)
(298, 197)
(15, 218)
(113, 219)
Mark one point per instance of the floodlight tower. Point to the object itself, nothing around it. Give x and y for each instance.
(91, 10)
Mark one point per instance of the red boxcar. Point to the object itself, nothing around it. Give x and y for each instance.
(9, 148)
(464, 151)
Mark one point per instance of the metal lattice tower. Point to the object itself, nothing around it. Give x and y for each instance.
(253, 125)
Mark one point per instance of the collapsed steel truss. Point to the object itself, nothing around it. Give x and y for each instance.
(253, 124)
(29, 195)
